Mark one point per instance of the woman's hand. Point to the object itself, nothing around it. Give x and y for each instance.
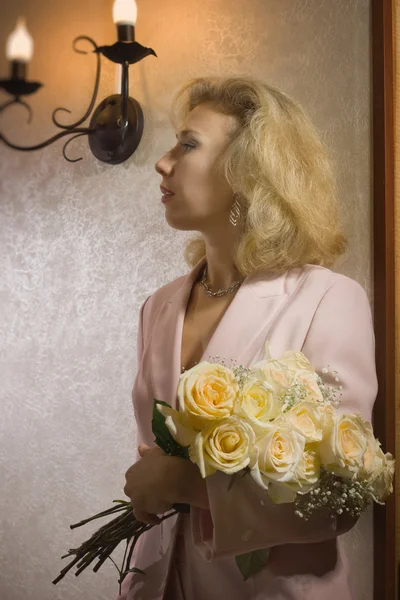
(148, 485)
(157, 481)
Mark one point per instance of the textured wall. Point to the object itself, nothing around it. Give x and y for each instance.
(84, 244)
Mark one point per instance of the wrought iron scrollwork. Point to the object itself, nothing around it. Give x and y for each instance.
(70, 140)
(79, 130)
(95, 91)
(18, 101)
(71, 129)
(116, 126)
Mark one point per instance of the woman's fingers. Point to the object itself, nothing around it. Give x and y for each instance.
(145, 517)
(142, 449)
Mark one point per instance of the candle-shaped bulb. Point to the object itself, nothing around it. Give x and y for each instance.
(125, 12)
(19, 45)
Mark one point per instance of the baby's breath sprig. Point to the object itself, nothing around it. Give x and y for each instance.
(242, 375)
(336, 494)
(218, 360)
(292, 395)
(329, 393)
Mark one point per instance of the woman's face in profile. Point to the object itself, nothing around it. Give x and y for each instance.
(203, 198)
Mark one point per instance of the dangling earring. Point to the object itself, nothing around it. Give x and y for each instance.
(235, 214)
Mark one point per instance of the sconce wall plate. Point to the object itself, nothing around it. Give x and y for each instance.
(105, 125)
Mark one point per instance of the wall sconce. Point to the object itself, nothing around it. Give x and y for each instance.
(116, 125)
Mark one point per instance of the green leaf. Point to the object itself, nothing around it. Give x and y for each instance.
(160, 430)
(243, 473)
(252, 563)
(231, 481)
(135, 570)
(163, 437)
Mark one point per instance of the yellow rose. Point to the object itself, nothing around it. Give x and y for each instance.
(278, 454)
(225, 445)
(207, 392)
(259, 404)
(342, 450)
(307, 419)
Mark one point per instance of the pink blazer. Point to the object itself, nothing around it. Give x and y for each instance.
(310, 309)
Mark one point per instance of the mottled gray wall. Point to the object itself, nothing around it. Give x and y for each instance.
(82, 245)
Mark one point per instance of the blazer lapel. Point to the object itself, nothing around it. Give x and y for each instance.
(240, 335)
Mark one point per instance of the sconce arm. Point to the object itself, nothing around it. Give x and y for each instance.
(124, 99)
(18, 101)
(95, 91)
(79, 130)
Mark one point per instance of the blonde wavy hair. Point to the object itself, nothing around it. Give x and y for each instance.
(281, 172)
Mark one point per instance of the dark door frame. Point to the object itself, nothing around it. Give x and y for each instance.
(384, 286)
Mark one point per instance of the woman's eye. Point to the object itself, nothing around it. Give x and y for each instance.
(188, 147)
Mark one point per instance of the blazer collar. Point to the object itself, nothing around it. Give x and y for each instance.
(240, 335)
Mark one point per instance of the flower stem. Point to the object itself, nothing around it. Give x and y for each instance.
(104, 541)
(105, 513)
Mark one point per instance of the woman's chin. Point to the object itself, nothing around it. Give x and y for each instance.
(180, 224)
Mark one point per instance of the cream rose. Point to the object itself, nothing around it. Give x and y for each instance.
(206, 393)
(278, 455)
(328, 418)
(178, 425)
(223, 446)
(309, 468)
(342, 450)
(305, 374)
(310, 386)
(287, 370)
(373, 458)
(378, 468)
(306, 477)
(308, 419)
(259, 404)
(276, 374)
(382, 485)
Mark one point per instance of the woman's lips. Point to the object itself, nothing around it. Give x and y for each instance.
(166, 194)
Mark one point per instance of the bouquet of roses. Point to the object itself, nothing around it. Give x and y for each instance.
(276, 422)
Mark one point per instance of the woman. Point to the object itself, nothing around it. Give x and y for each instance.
(249, 173)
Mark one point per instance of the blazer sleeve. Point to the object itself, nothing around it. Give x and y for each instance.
(125, 588)
(243, 519)
(139, 354)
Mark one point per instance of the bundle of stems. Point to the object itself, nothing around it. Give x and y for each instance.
(104, 541)
(124, 527)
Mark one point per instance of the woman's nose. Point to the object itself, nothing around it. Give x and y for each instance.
(164, 165)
